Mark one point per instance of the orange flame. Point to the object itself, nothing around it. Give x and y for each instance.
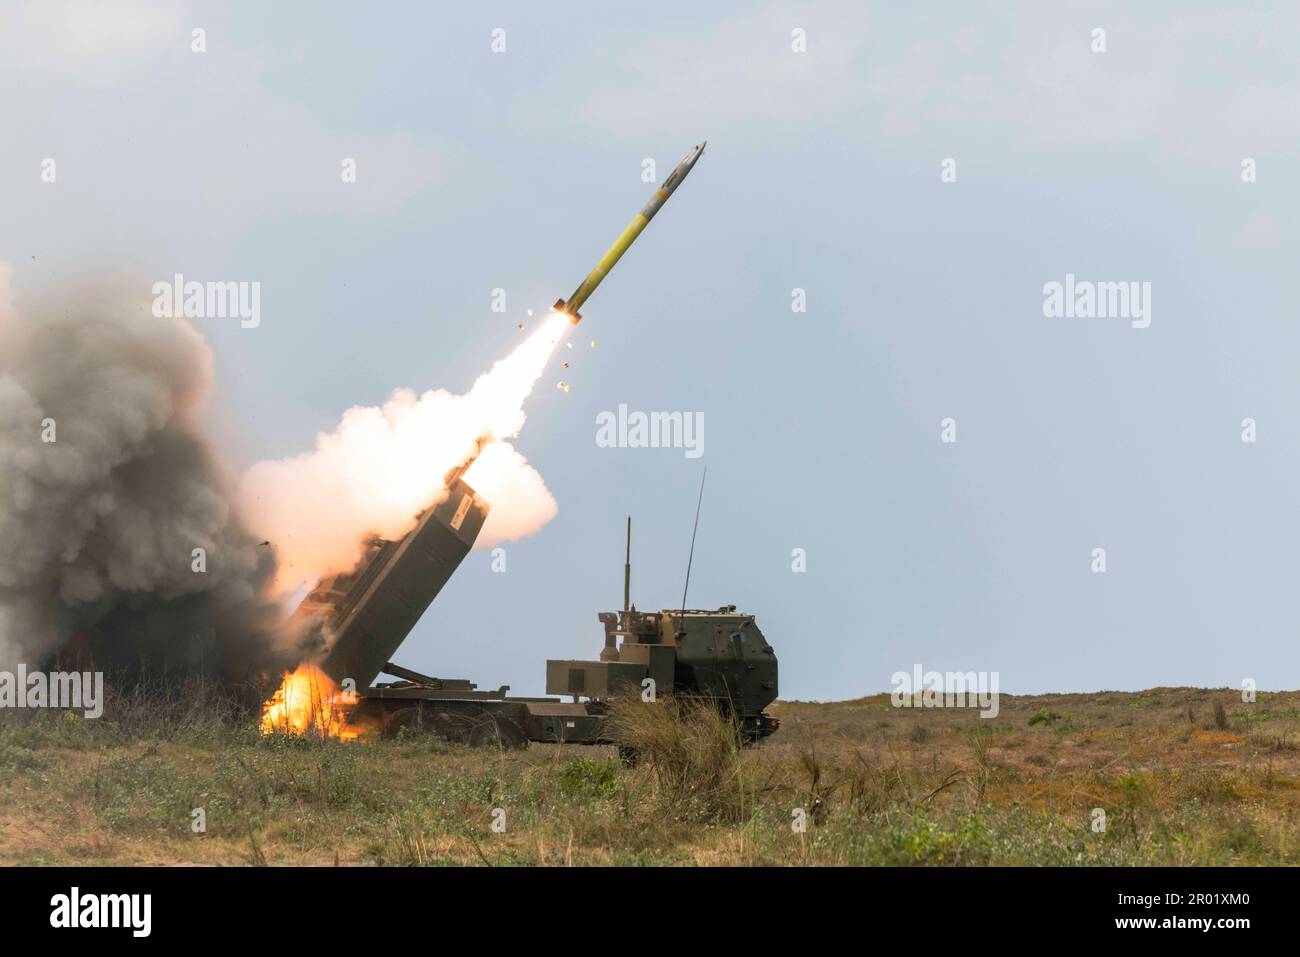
(308, 702)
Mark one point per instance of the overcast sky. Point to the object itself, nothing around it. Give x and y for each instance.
(822, 429)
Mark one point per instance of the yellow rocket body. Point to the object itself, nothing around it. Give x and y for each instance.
(627, 237)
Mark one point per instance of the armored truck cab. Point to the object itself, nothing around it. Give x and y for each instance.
(720, 654)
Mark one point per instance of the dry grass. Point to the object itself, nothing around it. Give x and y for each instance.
(1183, 776)
(692, 752)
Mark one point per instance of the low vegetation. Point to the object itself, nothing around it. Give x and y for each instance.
(1167, 776)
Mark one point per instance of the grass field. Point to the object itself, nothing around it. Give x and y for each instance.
(1183, 776)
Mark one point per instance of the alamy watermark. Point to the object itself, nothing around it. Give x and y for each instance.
(57, 689)
(651, 430)
(945, 689)
(209, 300)
(1086, 299)
(130, 911)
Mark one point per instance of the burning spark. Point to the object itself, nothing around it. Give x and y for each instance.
(593, 343)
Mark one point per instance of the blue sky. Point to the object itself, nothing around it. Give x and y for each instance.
(822, 429)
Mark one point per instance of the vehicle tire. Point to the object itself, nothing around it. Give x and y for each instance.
(408, 719)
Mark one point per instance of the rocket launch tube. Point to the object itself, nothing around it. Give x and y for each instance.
(370, 610)
(629, 235)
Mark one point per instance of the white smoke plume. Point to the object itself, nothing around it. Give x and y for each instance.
(98, 527)
(383, 465)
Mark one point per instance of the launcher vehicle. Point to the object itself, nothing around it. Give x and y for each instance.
(720, 654)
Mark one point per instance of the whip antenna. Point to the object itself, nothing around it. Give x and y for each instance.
(691, 557)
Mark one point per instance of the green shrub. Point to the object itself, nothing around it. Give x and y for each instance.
(585, 778)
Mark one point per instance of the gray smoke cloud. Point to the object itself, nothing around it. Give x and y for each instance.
(98, 528)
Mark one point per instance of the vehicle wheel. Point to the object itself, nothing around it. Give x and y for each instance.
(408, 719)
(481, 730)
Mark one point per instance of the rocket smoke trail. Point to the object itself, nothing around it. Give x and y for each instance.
(383, 465)
(98, 527)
